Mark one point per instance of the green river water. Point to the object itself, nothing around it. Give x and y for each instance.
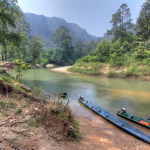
(115, 93)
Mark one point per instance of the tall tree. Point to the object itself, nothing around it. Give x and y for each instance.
(62, 34)
(35, 48)
(103, 51)
(64, 44)
(9, 15)
(143, 22)
(121, 22)
(79, 49)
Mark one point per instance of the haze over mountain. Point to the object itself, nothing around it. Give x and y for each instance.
(45, 27)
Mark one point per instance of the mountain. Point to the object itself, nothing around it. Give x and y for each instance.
(44, 27)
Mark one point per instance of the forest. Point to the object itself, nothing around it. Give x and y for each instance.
(127, 54)
(129, 44)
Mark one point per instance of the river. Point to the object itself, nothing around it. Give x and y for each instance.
(115, 93)
(110, 93)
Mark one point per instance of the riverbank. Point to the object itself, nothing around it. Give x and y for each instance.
(95, 134)
(62, 69)
(134, 71)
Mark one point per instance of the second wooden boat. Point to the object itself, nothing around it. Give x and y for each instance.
(137, 119)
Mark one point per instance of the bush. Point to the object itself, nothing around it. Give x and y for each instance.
(18, 110)
(2, 104)
(11, 104)
(132, 71)
(6, 79)
(112, 74)
(84, 71)
(117, 61)
(88, 59)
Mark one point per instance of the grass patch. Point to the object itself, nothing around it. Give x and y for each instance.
(19, 88)
(35, 122)
(6, 78)
(2, 103)
(112, 74)
(18, 110)
(4, 113)
(84, 71)
(75, 133)
(11, 104)
(25, 104)
(133, 71)
(2, 70)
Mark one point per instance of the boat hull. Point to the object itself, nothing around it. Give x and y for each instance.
(117, 121)
(137, 119)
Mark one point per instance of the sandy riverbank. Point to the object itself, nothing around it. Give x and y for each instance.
(62, 69)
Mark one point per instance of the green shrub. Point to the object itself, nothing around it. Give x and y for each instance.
(25, 104)
(5, 78)
(18, 110)
(11, 104)
(84, 71)
(2, 103)
(4, 113)
(112, 74)
(145, 70)
(2, 70)
(35, 122)
(86, 68)
(132, 71)
(75, 133)
(19, 88)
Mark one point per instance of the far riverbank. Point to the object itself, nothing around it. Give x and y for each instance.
(68, 70)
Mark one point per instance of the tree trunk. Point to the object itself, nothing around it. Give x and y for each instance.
(2, 56)
(5, 54)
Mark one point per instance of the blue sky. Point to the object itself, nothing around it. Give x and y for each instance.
(92, 15)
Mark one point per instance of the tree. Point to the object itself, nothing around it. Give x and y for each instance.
(20, 68)
(47, 57)
(103, 51)
(118, 54)
(62, 34)
(142, 52)
(143, 22)
(35, 48)
(79, 49)
(10, 14)
(121, 23)
(91, 45)
(19, 52)
(64, 49)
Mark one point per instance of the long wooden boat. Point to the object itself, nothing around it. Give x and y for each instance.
(137, 119)
(117, 121)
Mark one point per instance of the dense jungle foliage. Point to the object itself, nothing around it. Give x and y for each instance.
(130, 42)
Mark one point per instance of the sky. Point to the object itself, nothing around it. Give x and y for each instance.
(92, 15)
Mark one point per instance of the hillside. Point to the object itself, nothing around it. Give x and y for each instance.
(45, 27)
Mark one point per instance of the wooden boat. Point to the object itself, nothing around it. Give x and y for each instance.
(142, 121)
(117, 121)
